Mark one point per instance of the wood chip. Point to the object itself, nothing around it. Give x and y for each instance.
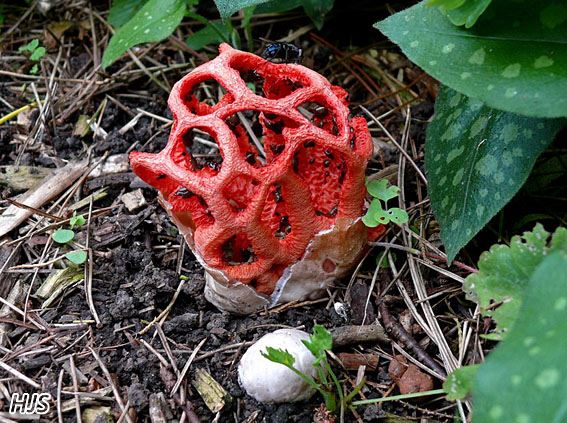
(134, 200)
(36, 197)
(214, 395)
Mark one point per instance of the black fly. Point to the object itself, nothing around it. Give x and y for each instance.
(277, 52)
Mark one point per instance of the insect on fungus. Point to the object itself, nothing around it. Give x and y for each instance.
(278, 52)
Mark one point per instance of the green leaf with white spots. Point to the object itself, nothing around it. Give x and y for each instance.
(155, 21)
(459, 383)
(513, 59)
(476, 159)
(504, 272)
(525, 378)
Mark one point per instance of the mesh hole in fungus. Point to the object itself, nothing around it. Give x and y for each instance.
(320, 116)
(275, 214)
(238, 250)
(253, 80)
(324, 170)
(204, 97)
(202, 151)
(240, 191)
(259, 135)
(191, 208)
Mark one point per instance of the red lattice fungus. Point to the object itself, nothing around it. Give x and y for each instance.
(253, 178)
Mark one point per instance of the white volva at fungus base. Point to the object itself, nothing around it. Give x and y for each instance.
(271, 382)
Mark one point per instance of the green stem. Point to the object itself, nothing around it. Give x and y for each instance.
(398, 397)
(355, 391)
(336, 382)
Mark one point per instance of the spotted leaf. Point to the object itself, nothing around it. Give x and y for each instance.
(156, 20)
(476, 159)
(504, 271)
(525, 378)
(513, 59)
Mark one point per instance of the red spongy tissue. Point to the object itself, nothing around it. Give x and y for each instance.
(286, 162)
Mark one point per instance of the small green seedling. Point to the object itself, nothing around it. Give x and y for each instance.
(65, 236)
(326, 382)
(36, 53)
(378, 213)
(77, 220)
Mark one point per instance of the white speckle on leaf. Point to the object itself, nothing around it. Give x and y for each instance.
(510, 92)
(517, 152)
(147, 30)
(560, 304)
(498, 177)
(529, 340)
(448, 48)
(478, 126)
(443, 180)
(489, 87)
(487, 165)
(548, 378)
(496, 412)
(534, 351)
(516, 379)
(509, 133)
(135, 28)
(543, 62)
(458, 177)
(466, 75)
(456, 99)
(479, 210)
(483, 192)
(437, 157)
(453, 210)
(522, 418)
(455, 224)
(414, 44)
(453, 154)
(445, 202)
(507, 158)
(433, 62)
(497, 196)
(512, 71)
(477, 57)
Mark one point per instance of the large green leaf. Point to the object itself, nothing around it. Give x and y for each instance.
(229, 7)
(317, 9)
(476, 159)
(504, 272)
(214, 32)
(513, 59)
(156, 20)
(525, 378)
(122, 11)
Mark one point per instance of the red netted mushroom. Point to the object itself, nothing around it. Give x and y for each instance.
(285, 179)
